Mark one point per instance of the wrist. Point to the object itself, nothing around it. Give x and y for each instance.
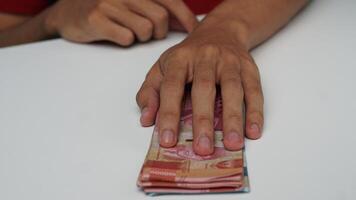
(49, 23)
(236, 30)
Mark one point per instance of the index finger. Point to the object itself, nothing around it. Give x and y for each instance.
(148, 96)
(171, 95)
(181, 11)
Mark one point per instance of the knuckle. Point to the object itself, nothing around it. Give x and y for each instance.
(205, 83)
(160, 35)
(168, 115)
(101, 5)
(209, 49)
(202, 118)
(139, 97)
(161, 16)
(235, 117)
(256, 115)
(146, 28)
(127, 38)
(140, 94)
(169, 83)
(230, 58)
(151, 75)
(254, 91)
(175, 55)
(93, 17)
(252, 75)
(180, 53)
(144, 95)
(246, 58)
(231, 80)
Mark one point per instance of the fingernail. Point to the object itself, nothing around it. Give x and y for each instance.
(255, 128)
(144, 114)
(233, 137)
(233, 141)
(204, 142)
(167, 137)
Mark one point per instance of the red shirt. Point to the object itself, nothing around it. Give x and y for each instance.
(32, 7)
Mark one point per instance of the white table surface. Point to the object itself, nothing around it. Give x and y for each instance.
(69, 123)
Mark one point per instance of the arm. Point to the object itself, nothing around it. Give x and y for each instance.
(216, 52)
(254, 20)
(118, 21)
(9, 20)
(24, 30)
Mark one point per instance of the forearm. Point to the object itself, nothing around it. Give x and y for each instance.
(33, 29)
(252, 21)
(10, 20)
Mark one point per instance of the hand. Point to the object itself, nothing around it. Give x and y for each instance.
(209, 56)
(119, 21)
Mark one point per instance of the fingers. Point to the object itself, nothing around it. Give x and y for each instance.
(143, 18)
(109, 30)
(175, 25)
(157, 14)
(203, 99)
(253, 99)
(142, 27)
(171, 94)
(232, 97)
(148, 96)
(181, 11)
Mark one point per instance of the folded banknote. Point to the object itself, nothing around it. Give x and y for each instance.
(178, 170)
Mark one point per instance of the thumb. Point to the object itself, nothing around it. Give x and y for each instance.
(181, 13)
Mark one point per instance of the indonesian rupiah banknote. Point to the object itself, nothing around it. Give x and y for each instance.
(180, 170)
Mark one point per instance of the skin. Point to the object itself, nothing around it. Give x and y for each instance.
(120, 21)
(7, 21)
(217, 52)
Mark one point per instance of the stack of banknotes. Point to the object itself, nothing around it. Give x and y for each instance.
(180, 170)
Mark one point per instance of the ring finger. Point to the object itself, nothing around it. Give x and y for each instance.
(232, 97)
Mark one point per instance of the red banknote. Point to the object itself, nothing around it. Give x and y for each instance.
(180, 170)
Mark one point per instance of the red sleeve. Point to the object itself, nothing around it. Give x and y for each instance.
(31, 7)
(202, 6)
(24, 7)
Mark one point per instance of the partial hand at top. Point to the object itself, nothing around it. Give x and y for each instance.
(119, 21)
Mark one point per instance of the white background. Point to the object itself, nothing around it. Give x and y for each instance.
(69, 123)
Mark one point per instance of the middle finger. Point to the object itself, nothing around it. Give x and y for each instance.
(203, 98)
